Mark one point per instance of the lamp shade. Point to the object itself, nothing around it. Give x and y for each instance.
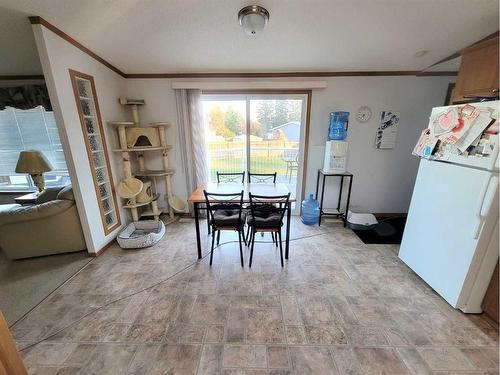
(32, 162)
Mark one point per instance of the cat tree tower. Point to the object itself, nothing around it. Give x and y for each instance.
(138, 140)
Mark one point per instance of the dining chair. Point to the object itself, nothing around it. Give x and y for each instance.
(227, 177)
(292, 164)
(226, 213)
(262, 178)
(230, 177)
(266, 215)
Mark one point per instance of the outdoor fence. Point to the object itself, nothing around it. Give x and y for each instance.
(265, 157)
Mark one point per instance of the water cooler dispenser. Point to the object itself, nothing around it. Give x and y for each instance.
(336, 148)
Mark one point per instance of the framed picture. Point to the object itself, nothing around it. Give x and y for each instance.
(387, 130)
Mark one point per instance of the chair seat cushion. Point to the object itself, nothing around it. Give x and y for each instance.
(266, 220)
(228, 218)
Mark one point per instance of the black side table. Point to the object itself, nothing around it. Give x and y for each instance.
(334, 212)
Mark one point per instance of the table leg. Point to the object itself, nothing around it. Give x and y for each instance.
(317, 186)
(340, 193)
(288, 218)
(197, 226)
(208, 220)
(348, 200)
(321, 201)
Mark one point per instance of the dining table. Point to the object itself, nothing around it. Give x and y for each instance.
(197, 199)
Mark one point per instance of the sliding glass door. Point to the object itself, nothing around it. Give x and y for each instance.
(225, 134)
(260, 133)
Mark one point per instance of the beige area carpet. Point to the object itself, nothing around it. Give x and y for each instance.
(25, 283)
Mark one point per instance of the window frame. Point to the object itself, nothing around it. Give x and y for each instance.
(270, 94)
(29, 186)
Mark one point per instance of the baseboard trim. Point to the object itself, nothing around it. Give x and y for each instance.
(391, 214)
(103, 249)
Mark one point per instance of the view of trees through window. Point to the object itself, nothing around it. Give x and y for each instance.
(228, 121)
(268, 143)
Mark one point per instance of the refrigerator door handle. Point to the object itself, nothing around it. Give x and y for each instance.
(487, 195)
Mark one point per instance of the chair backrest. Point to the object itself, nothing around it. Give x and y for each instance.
(223, 201)
(262, 177)
(268, 203)
(230, 177)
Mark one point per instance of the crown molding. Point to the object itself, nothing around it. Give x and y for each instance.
(355, 73)
(36, 20)
(40, 21)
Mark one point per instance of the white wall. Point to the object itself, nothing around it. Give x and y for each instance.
(57, 56)
(160, 106)
(383, 179)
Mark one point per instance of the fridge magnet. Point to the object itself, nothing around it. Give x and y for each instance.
(387, 131)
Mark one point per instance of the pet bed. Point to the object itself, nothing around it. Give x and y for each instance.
(141, 234)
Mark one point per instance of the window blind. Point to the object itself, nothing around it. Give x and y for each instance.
(29, 129)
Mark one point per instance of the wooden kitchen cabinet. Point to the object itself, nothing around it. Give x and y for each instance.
(478, 74)
(490, 301)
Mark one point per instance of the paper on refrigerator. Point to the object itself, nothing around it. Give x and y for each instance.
(478, 126)
(425, 144)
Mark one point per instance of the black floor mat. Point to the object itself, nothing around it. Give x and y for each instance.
(372, 237)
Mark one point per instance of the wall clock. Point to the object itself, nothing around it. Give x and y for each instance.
(364, 114)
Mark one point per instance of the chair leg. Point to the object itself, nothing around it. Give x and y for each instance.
(241, 247)
(249, 229)
(251, 249)
(243, 235)
(249, 240)
(281, 248)
(212, 250)
(208, 221)
(272, 236)
(218, 237)
(276, 239)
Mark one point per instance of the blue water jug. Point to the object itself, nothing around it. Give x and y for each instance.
(310, 211)
(338, 126)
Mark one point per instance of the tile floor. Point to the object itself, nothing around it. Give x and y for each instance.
(337, 307)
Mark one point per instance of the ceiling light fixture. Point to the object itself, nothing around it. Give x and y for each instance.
(253, 19)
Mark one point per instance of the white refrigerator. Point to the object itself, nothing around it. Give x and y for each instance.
(451, 234)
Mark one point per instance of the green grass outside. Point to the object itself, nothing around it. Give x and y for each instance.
(266, 157)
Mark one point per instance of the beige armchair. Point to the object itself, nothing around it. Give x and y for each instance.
(51, 226)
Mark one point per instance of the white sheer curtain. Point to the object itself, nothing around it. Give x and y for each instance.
(192, 137)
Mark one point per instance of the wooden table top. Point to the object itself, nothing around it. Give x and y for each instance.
(197, 196)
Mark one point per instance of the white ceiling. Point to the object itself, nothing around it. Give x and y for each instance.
(167, 36)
